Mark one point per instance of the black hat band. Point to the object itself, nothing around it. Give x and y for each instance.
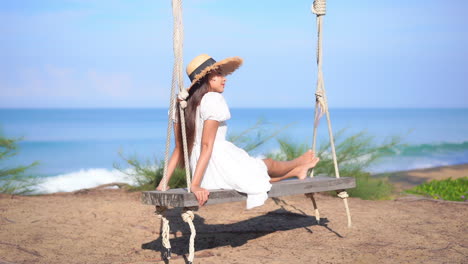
(200, 68)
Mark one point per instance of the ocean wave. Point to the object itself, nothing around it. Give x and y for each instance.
(401, 158)
(84, 178)
(393, 164)
(429, 149)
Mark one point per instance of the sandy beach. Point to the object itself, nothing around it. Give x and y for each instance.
(113, 226)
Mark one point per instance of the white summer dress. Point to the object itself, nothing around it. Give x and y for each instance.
(230, 167)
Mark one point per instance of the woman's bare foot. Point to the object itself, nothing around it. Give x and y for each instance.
(301, 171)
(306, 157)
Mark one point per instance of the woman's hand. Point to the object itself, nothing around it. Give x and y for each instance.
(201, 194)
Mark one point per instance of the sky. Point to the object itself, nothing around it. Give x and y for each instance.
(118, 53)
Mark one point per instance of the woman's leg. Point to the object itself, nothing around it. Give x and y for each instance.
(299, 171)
(279, 170)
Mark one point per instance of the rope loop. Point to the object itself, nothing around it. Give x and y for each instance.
(165, 230)
(343, 194)
(188, 216)
(319, 7)
(182, 96)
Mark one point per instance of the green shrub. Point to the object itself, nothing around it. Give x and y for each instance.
(255, 136)
(354, 155)
(14, 180)
(369, 188)
(448, 189)
(148, 174)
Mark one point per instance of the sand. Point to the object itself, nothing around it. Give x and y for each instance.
(113, 226)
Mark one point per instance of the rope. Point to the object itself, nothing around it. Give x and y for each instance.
(321, 106)
(177, 81)
(318, 7)
(316, 211)
(344, 195)
(165, 230)
(178, 52)
(186, 156)
(188, 217)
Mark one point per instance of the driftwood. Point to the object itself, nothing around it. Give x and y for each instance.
(121, 185)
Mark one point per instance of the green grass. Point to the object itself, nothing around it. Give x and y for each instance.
(355, 154)
(148, 174)
(448, 189)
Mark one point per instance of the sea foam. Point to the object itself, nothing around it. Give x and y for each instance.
(84, 178)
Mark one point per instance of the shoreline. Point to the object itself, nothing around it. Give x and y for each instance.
(404, 179)
(408, 179)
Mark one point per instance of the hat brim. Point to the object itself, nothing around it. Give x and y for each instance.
(226, 66)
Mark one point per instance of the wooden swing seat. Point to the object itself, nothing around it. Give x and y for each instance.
(181, 198)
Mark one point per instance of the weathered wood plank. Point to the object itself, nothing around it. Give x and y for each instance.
(181, 198)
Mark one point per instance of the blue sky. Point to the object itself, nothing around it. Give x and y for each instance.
(116, 53)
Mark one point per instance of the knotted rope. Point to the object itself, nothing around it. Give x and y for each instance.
(321, 106)
(165, 230)
(177, 81)
(188, 217)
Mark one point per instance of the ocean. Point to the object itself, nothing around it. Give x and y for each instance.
(79, 148)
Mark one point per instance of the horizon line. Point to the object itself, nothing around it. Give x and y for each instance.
(242, 107)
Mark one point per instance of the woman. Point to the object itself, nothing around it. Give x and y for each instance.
(216, 163)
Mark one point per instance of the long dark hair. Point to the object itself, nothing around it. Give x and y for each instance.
(196, 94)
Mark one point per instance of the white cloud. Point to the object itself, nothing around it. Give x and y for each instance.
(54, 86)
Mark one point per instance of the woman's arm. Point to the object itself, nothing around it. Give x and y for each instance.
(210, 127)
(174, 158)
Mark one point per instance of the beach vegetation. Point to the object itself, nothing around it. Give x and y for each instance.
(447, 189)
(16, 179)
(252, 138)
(355, 153)
(147, 174)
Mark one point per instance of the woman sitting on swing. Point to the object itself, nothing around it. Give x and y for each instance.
(215, 162)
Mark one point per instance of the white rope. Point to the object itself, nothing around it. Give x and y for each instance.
(178, 52)
(319, 8)
(165, 230)
(186, 157)
(188, 217)
(169, 126)
(316, 211)
(177, 81)
(344, 195)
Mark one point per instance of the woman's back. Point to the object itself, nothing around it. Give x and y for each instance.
(229, 167)
(212, 107)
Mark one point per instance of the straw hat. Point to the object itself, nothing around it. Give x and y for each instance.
(203, 64)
